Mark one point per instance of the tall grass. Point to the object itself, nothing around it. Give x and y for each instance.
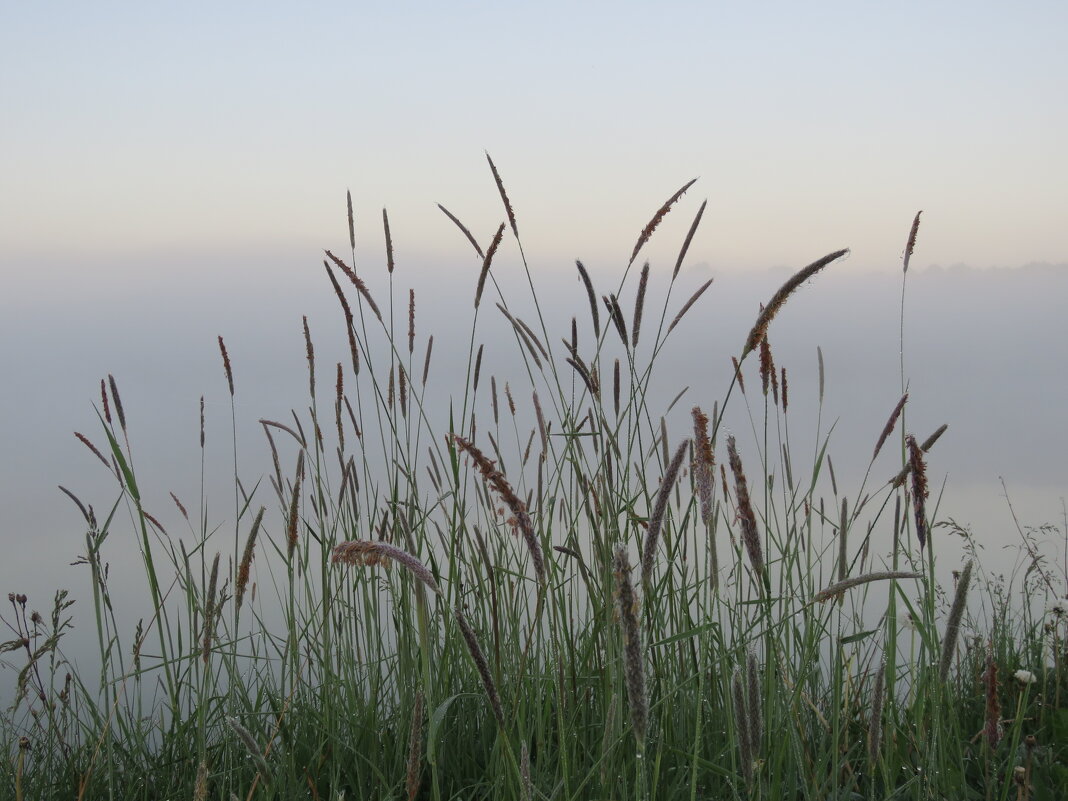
(404, 610)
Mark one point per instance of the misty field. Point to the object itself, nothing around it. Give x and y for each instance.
(548, 586)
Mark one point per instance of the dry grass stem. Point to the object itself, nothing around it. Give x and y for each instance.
(760, 327)
(656, 220)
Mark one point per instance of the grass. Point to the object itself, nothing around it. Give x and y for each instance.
(557, 599)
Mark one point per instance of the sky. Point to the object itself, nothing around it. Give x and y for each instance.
(172, 173)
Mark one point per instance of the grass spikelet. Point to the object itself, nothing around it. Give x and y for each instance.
(369, 553)
(704, 478)
(819, 359)
(689, 238)
(686, 306)
(616, 314)
(741, 717)
(928, 443)
(656, 520)
(104, 401)
(919, 489)
(656, 220)
(339, 395)
(542, 433)
(585, 276)
(760, 327)
(585, 375)
(226, 368)
(411, 321)
(309, 350)
(118, 401)
(478, 371)
(292, 519)
(246, 559)
(855, 581)
(504, 196)
(639, 305)
(482, 666)
(85, 441)
(910, 246)
(843, 551)
(633, 662)
(357, 282)
(738, 374)
(426, 360)
(415, 749)
(209, 611)
(992, 713)
(526, 790)
(496, 479)
(389, 242)
(463, 229)
(756, 718)
(750, 535)
(253, 748)
(402, 388)
(956, 612)
(785, 396)
(615, 387)
(767, 365)
(486, 262)
(890, 423)
(351, 220)
(200, 788)
(875, 722)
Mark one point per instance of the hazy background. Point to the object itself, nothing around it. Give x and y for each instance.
(171, 174)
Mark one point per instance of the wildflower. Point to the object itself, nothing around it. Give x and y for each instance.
(1058, 608)
(1025, 677)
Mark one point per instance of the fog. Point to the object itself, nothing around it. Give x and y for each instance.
(985, 350)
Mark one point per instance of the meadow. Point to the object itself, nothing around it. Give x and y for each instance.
(549, 586)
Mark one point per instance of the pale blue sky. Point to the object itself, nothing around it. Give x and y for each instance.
(237, 127)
